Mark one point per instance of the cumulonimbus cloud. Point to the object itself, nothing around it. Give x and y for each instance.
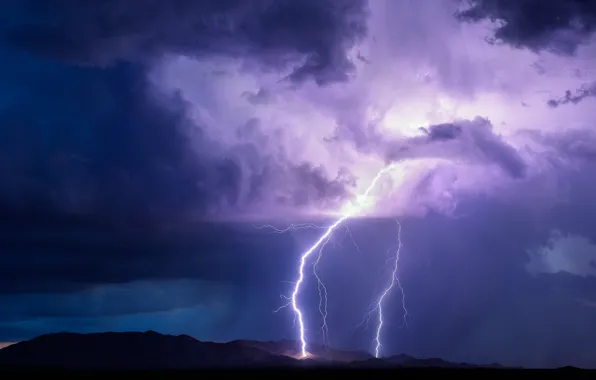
(250, 161)
(560, 26)
(308, 37)
(131, 158)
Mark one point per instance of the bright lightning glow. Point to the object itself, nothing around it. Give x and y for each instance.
(350, 210)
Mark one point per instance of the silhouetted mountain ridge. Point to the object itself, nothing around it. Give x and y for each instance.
(154, 351)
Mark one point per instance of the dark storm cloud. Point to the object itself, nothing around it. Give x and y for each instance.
(585, 91)
(443, 132)
(41, 253)
(310, 36)
(93, 141)
(96, 163)
(555, 25)
(471, 140)
(93, 168)
(102, 141)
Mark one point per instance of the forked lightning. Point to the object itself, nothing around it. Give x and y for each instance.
(352, 211)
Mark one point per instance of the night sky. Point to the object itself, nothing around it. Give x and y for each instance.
(143, 143)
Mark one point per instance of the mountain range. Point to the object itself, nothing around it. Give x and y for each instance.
(153, 351)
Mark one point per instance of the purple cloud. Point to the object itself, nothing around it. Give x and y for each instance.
(585, 91)
(308, 37)
(472, 141)
(556, 25)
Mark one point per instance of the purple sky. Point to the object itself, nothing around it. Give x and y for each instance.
(140, 139)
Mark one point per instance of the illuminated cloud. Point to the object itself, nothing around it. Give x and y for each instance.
(258, 120)
(573, 254)
(245, 125)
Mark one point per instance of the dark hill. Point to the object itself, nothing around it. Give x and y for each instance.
(154, 351)
(121, 351)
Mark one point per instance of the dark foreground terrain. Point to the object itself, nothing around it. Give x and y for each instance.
(151, 351)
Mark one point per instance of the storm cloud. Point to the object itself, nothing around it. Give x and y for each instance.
(556, 25)
(310, 38)
(146, 146)
(105, 141)
(469, 140)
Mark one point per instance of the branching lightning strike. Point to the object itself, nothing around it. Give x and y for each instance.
(322, 295)
(291, 227)
(320, 242)
(320, 245)
(321, 288)
(394, 281)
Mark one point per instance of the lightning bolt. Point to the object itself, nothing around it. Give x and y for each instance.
(322, 296)
(321, 288)
(394, 281)
(320, 285)
(351, 211)
(377, 306)
(291, 227)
